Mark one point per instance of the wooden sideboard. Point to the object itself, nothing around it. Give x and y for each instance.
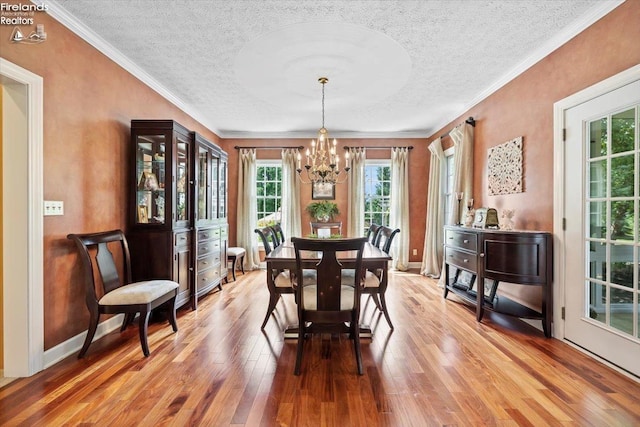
(483, 258)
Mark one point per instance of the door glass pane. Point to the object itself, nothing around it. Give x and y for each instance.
(597, 296)
(623, 131)
(598, 138)
(598, 220)
(622, 179)
(622, 310)
(622, 265)
(215, 172)
(597, 258)
(622, 220)
(150, 179)
(598, 178)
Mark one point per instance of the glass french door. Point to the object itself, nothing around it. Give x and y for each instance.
(602, 205)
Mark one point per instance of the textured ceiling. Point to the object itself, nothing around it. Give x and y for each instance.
(396, 68)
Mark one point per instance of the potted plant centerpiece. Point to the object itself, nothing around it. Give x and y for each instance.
(323, 211)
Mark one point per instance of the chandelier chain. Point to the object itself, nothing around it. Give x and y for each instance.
(323, 83)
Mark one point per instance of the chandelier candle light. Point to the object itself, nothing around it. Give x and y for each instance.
(323, 162)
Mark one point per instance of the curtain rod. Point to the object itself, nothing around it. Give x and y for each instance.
(270, 147)
(470, 121)
(388, 147)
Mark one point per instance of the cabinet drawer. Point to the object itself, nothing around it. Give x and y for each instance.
(208, 247)
(207, 276)
(210, 233)
(461, 259)
(462, 239)
(208, 261)
(182, 239)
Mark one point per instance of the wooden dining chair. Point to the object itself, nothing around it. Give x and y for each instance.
(328, 303)
(372, 233)
(116, 294)
(278, 234)
(376, 281)
(278, 281)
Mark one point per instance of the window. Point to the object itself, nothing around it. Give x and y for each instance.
(377, 192)
(269, 192)
(447, 183)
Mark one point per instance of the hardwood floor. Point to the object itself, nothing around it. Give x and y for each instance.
(439, 367)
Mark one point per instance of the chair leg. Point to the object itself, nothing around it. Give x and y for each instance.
(273, 300)
(128, 319)
(356, 341)
(242, 264)
(172, 314)
(301, 333)
(233, 267)
(383, 301)
(144, 322)
(93, 326)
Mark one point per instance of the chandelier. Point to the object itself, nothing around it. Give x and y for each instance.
(323, 162)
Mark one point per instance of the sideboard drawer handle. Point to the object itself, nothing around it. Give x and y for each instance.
(465, 241)
(465, 260)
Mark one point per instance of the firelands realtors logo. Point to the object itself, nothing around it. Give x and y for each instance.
(21, 15)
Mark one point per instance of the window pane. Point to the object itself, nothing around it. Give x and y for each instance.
(597, 258)
(269, 192)
(377, 195)
(622, 265)
(598, 220)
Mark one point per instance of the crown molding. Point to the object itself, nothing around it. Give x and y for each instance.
(60, 14)
(598, 11)
(334, 134)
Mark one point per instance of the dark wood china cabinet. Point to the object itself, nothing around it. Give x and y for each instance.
(165, 215)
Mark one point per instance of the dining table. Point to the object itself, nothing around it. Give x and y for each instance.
(283, 257)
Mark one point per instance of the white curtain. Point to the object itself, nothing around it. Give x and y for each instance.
(290, 218)
(356, 192)
(433, 235)
(462, 170)
(247, 208)
(399, 215)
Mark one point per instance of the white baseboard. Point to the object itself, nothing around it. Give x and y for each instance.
(74, 344)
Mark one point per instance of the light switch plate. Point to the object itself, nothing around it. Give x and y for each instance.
(53, 207)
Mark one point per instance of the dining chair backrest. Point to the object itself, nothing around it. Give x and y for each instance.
(328, 303)
(372, 233)
(278, 234)
(385, 236)
(266, 235)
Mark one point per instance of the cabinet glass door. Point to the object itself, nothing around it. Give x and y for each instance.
(222, 192)
(214, 186)
(182, 181)
(204, 199)
(150, 173)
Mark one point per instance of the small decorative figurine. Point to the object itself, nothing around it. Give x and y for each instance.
(507, 219)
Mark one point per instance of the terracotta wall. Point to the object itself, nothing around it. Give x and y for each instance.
(524, 107)
(418, 173)
(88, 104)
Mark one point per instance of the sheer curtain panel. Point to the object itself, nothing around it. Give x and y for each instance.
(399, 215)
(291, 222)
(462, 169)
(247, 208)
(433, 236)
(356, 192)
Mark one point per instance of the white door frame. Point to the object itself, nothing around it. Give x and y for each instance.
(559, 108)
(23, 232)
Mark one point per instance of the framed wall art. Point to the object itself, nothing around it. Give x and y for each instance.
(505, 168)
(323, 191)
